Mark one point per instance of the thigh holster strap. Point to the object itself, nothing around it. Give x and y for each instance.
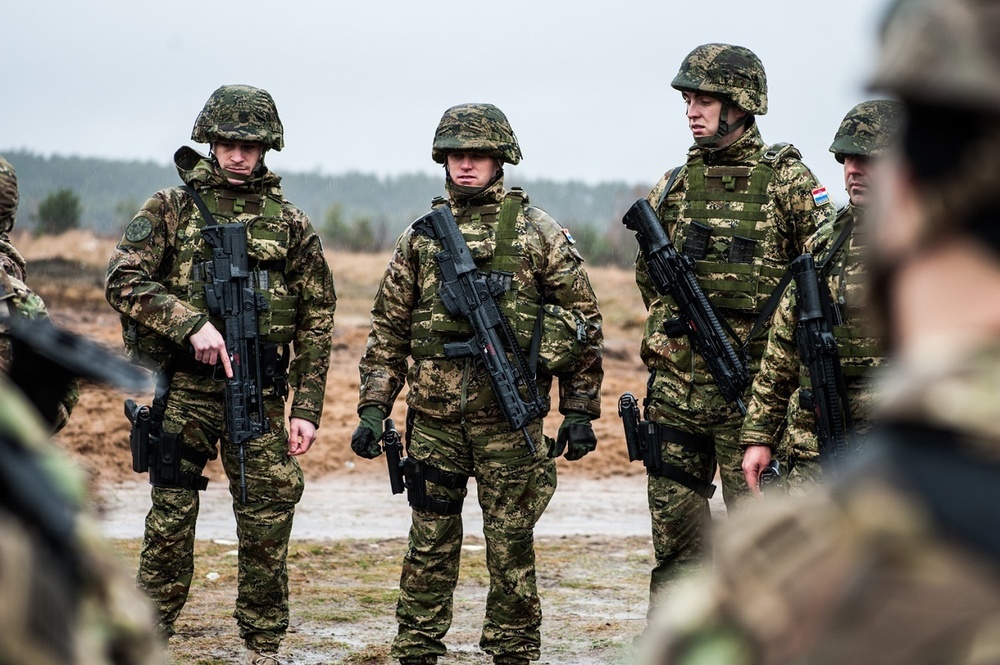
(416, 475)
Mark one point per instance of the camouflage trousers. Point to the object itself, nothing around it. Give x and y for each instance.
(274, 484)
(681, 516)
(514, 488)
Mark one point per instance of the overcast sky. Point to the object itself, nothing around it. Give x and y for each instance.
(360, 86)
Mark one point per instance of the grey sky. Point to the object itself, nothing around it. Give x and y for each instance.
(361, 85)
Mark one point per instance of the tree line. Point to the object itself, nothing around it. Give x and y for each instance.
(352, 211)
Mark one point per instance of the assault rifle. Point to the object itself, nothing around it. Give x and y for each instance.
(673, 274)
(393, 446)
(230, 295)
(827, 398)
(468, 293)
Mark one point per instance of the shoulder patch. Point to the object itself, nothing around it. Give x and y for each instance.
(569, 236)
(138, 229)
(820, 196)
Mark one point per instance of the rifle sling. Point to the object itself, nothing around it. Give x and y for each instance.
(772, 302)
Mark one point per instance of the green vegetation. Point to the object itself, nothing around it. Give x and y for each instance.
(353, 211)
(58, 212)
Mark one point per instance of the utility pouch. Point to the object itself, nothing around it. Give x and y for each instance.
(165, 470)
(741, 249)
(696, 240)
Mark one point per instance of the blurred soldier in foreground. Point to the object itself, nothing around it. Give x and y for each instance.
(899, 561)
(190, 252)
(65, 598)
(784, 406)
(467, 415)
(741, 210)
(18, 296)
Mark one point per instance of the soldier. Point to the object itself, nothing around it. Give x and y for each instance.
(742, 210)
(156, 279)
(776, 418)
(67, 600)
(25, 302)
(899, 561)
(455, 427)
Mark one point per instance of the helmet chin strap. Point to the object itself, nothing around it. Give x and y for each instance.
(724, 127)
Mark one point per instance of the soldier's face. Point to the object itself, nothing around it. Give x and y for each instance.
(472, 169)
(703, 112)
(857, 179)
(239, 157)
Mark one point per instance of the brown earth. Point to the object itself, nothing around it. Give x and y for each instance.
(68, 272)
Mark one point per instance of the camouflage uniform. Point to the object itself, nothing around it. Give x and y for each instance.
(775, 416)
(898, 561)
(67, 600)
(455, 424)
(155, 277)
(742, 191)
(15, 292)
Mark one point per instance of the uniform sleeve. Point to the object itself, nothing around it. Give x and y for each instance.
(568, 285)
(132, 288)
(777, 379)
(383, 366)
(803, 206)
(310, 278)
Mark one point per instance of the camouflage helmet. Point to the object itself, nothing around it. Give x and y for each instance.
(734, 73)
(947, 52)
(476, 127)
(240, 113)
(867, 130)
(8, 196)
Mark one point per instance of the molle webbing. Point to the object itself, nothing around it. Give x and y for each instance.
(730, 256)
(430, 326)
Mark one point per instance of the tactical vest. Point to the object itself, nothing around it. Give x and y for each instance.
(267, 241)
(860, 352)
(724, 228)
(431, 326)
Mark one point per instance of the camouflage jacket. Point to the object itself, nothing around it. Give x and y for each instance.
(793, 208)
(11, 261)
(774, 416)
(67, 598)
(865, 571)
(147, 282)
(408, 295)
(21, 300)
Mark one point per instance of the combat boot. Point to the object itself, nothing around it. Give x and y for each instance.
(510, 659)
(418, 660)
(254, 657)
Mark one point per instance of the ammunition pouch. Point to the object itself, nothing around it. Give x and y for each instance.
(416, 475)
(655, 466)
(741, 250)
(696, 241)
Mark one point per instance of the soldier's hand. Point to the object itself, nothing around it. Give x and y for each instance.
(576, 436)
(210, 347)
(755, 458)
(365, 440)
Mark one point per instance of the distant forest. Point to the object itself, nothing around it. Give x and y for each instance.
(352, 211)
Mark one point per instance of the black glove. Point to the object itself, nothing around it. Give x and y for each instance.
(364, 441)
(576, 433)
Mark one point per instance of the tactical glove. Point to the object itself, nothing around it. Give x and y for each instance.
(365, 440)
(576, 433)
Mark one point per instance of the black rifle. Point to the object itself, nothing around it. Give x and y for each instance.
(768, 476)
(468, 293)
(673, 274)
(393, 446)
(827, 397)
(230, 295)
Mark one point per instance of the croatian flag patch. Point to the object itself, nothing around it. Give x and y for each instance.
(820, 196)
